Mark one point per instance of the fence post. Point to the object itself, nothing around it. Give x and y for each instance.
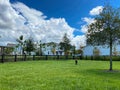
(66, 57)
(91, 57)
(73, 57)
(57, 57)
(86, 57)
(24, 57)
(33, 57)
(46, 57)
(80, 57)
(15, 58)
(2, 60)
(104, 57)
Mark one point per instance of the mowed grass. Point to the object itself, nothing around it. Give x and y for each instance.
(59, 75)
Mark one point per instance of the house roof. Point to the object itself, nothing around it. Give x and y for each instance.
(8, 45)
(11, 45)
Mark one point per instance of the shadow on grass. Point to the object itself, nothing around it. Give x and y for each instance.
(115, 74)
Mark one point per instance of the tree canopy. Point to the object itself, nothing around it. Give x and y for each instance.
(29, 45)
(65, 44)
(106, 29)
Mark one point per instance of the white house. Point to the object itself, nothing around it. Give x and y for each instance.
(47, 50)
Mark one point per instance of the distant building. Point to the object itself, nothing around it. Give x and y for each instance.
(9, 45)
(47, 50)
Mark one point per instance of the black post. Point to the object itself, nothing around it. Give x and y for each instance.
(2, 60)
(24, 57)
(57, 57)
(73, 57)
(46, 57)
(91, 57)
(80, 57)
(86, 57)
(15, 57)
(66, 57)
(104, 57)
(33, 57)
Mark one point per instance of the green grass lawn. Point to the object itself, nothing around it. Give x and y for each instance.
(59, 75)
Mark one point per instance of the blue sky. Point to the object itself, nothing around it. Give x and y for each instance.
(72, 10)
(48, 20)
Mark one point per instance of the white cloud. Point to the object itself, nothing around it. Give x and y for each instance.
(88, 21)
(96, 11)
(6, 14)
(79, 41)
(29, 14)
(84, 28)
(18, 19)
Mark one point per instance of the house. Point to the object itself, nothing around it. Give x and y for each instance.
(49, 50)
(3, 47)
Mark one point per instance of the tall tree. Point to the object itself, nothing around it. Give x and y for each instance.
(106, 29)
(21, 43)
(65, 44)
(29, 45)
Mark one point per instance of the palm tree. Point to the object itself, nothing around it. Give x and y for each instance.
(21, 43)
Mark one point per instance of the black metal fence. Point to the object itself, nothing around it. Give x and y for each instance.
(15, 58)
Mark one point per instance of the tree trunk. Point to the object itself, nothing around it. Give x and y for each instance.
(110, 57)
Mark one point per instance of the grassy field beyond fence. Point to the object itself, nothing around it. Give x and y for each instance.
(59, 75)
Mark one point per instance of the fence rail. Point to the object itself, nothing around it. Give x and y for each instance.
(15, 58)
